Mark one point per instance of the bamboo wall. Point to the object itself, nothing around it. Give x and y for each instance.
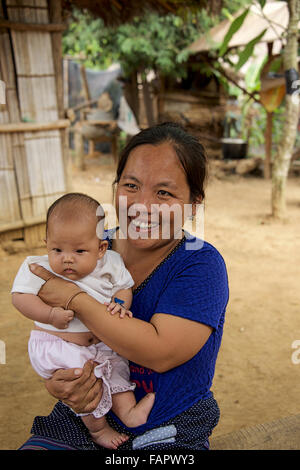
(33, 154)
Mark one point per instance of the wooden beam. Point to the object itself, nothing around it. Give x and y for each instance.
(34, 126)
(52, 27)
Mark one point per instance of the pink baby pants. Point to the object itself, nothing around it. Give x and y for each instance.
(48, 353)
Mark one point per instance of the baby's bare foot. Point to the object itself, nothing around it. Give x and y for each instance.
(108, 437)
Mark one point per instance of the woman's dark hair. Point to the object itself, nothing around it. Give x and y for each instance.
(189, 151)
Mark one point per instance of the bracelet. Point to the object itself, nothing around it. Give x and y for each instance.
(50, 316)
(72, 297)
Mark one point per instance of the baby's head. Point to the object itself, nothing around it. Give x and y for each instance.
(74, 232)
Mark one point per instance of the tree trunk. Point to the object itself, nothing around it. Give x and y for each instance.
(268, 146)
(285, 149)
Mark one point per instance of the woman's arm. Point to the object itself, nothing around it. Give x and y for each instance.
(32, 307)
(166, 342)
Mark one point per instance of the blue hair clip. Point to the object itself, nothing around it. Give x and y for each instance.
(119, 301)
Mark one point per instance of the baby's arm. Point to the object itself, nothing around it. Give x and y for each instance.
(124, 295)
(31, 306)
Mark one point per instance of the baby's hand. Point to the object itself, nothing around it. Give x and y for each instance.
(114, 307)
(60, 318)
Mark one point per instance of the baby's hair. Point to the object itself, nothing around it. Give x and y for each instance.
(75, 202)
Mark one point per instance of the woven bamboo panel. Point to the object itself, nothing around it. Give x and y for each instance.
(9, 200)
(16, 140)
(9, 204)
(38, 103)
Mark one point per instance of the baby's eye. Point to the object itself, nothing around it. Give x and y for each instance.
(80, 251)
(57, 250)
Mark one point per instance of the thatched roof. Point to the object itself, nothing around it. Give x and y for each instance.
(274, 19)
(115, 12)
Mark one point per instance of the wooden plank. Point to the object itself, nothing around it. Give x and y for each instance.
(34, 236)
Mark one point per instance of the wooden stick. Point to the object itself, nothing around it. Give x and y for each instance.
(84, 105)
(34, 126)
(93, 122)
(52, 27)
(85, 85)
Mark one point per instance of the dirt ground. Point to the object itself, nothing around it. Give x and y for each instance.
(256, 380)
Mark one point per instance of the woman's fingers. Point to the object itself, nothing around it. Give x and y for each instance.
(40, 271)
(92, 397)
(83, 394)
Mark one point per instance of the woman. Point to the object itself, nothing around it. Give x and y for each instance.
(179, 302)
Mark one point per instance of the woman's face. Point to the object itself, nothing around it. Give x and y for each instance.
(153, 196)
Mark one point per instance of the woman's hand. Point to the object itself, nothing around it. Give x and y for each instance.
(56, 291)
(78, 388)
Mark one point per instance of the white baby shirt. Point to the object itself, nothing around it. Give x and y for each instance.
(109, 276)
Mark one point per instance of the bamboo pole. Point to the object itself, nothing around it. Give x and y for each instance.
(34, 126)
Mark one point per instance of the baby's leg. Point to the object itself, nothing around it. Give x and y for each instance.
(130, 412)
(102, 433)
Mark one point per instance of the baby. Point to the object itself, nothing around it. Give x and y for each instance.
(59, 340)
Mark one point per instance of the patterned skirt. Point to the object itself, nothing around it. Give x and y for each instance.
(64, 430)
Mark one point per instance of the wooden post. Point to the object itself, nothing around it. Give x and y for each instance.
(55, 16)
(131, 94)
(135, 96)
(147, 100)
(161, 98)
(55, 13)
(79, 147)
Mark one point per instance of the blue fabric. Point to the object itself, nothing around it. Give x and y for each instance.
(191, 284)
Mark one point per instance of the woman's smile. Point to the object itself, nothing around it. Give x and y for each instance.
(143, 225)
(151, 203)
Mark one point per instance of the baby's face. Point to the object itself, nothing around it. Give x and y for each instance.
(74, 248)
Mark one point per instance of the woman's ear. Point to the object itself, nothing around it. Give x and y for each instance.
(197, 201)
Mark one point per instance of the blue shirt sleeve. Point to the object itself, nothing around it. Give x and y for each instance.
(198, 290)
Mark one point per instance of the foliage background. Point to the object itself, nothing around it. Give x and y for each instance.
(151, 42)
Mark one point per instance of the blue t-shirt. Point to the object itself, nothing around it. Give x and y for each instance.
(192, 284)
